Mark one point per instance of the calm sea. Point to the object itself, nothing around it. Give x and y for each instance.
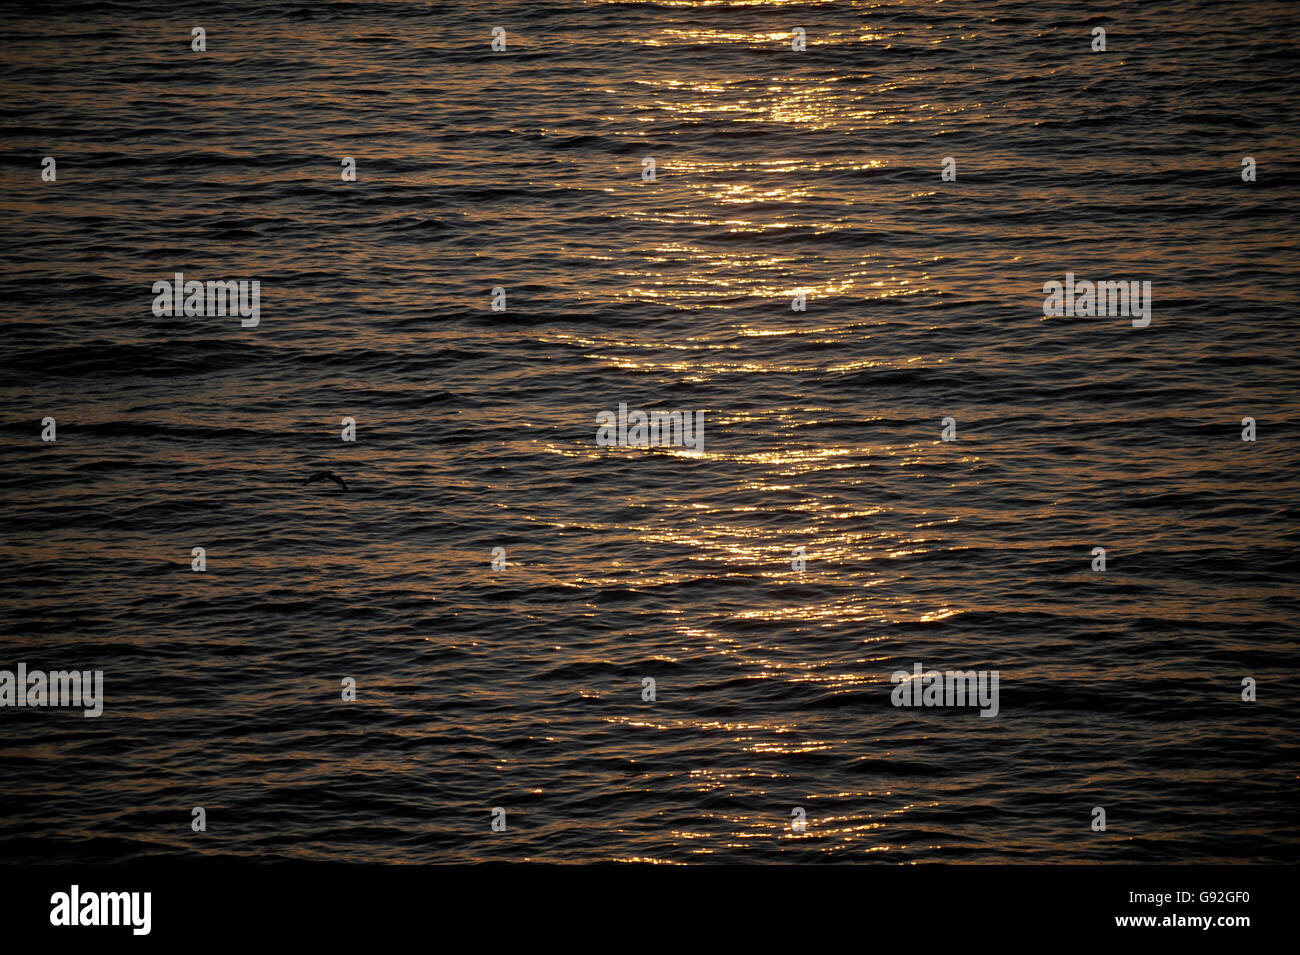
(776, 172)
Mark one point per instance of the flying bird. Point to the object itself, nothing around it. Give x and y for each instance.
(327, 476)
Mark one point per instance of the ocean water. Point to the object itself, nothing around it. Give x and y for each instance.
(776, 172)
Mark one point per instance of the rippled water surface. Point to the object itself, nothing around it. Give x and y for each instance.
(776, 172)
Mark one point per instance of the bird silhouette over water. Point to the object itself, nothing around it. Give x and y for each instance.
(326, 476)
